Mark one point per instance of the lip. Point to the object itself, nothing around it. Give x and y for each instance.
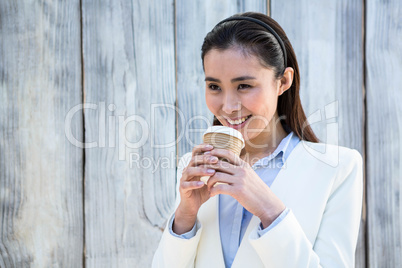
(238, 126)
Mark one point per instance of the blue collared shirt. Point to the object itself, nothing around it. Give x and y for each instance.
(233, 218)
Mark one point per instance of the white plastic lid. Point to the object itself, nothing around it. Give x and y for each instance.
(226, 130)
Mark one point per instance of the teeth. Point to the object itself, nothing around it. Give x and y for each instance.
(238, 121)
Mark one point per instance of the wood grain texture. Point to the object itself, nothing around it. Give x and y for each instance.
(194, 19)
(328, 41)
(128, 49)
(384, 136)
(129, 88)
(41, 172)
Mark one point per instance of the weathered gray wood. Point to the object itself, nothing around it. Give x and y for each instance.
(384, 136)
(128, 50)
(194, 19)
(327, 38)
(129, 66)
(41, 171)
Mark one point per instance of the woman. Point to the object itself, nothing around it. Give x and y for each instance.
(281, 204)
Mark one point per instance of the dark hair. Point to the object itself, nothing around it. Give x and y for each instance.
(256, 40)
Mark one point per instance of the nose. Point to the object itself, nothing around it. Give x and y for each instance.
(231, 104)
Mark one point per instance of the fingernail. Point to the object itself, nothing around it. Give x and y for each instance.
(199, 183)
(211, 171)
(208, 146)
(209, 152)
(214, 158)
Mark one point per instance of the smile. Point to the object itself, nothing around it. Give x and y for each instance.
(238, 121)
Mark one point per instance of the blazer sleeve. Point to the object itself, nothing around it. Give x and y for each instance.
(286, 245)
(174, 251)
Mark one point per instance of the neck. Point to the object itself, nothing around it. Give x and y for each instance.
(265, 143)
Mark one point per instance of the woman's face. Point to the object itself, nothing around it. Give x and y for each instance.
(241, 92)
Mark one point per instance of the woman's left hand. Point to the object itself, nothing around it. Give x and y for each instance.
(242, 183)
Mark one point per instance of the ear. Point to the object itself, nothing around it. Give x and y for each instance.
(286, 80)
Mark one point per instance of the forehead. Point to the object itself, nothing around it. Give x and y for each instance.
(232, 62)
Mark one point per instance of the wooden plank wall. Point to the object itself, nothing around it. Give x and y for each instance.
(136, 65)
(128, 55)
(384, 134)
(40, 170)
(328, 41)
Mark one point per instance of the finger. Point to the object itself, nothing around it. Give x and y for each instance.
(221, 188)
(191, 172)
(191, 185)
(219, 178)
(202, 159)
(201, 148)
(229, 156)
(223, 166)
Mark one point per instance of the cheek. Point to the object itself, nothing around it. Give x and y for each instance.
(264, 104)
(212, 103)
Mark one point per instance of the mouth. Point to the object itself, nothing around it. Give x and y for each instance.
(239, 123)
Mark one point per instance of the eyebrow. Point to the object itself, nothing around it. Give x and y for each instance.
(237, 79)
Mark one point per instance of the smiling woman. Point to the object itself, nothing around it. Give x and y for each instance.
(278, 204)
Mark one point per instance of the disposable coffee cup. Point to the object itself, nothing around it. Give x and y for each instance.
(222, 137)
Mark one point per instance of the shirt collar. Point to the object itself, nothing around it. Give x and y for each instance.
(281, 153)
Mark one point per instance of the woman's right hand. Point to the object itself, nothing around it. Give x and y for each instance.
(193, 192)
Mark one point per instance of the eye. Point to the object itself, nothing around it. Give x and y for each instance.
(213, 87)
(244, 86)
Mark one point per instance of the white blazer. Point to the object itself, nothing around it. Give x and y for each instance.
(323, 187)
